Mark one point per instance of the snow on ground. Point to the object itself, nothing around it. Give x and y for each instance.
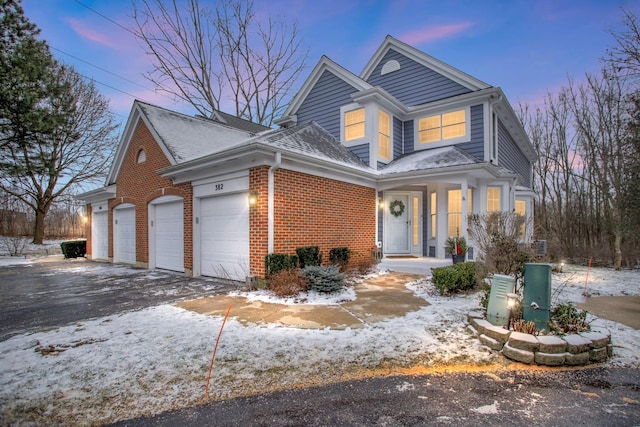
(149, 361)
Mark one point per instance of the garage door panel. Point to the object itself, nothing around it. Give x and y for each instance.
(169, 236)
(100, 235)
(125, 235)
(225, 236)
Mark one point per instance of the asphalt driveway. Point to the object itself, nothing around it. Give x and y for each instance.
(50, 294)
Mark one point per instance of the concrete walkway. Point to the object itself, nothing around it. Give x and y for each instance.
(381, 298)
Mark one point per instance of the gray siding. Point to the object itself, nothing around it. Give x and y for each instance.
(362, 151)
(403, 83)
(511, 157)
(475, 147)
(397, 138)
(324, 101)
(408, 137)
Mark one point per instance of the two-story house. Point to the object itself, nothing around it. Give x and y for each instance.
(396, 157)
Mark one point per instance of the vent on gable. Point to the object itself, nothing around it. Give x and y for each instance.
(142, 156)
(390, 67)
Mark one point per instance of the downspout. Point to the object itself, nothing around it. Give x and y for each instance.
(271, 203)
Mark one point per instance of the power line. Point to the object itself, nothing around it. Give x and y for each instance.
(105, 17)
(100, 68)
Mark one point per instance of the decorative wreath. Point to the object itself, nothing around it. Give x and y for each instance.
(396, 208)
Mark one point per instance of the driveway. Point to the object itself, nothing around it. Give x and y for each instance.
(50, 294)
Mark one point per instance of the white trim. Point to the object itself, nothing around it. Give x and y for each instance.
(422, 58)
(325, 64)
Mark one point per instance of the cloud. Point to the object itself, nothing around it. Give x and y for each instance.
(88, 33)
(435, 33)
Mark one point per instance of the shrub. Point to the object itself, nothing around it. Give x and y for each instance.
(309, 255)
(497, 235)
(288, 282)
(525, 327)
(74, 248)
(324, 278)
(567, 319)
(456, 278)
(276, 262)
(339, 256)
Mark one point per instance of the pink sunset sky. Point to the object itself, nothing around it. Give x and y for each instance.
(528, 48)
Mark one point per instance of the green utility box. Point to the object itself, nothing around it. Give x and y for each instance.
(537, 294)
(497, 311)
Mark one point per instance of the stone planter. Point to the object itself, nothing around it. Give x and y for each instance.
(548, 350)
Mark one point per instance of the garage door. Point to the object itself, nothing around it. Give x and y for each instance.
(124, 235)
(169, 236)
(224, 236)
(100, 235)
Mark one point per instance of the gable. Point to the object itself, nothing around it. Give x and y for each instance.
(136, 170)
(324, 100)
(402, 82)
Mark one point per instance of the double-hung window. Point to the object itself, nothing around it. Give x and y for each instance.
(354, 124)
(442, 127)
(493, 199)
(454, 214)
(384, 135)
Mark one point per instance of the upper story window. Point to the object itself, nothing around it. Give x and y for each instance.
(442, 127)
(354, 124)
(384, 135)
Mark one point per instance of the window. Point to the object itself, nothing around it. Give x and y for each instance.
(521, 210)
(434, 209)
(142, 156)
(442, 127)
(354, 124)
(384, 135)
(454, 216)
(454, 223)
(493, 199)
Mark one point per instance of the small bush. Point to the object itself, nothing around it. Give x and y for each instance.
(309, 255)
(456, 278)
(324, 279)
(286, 283)
(525, 327)
(277, 262)
(567, 319)
(74, 248)
(339, 256)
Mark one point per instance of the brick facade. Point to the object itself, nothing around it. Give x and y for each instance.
(139, 184)
(311, 211)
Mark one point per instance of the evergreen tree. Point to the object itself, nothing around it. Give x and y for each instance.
(56, 130)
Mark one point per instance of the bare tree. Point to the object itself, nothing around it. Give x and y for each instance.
(625, 55)
(43, 168)
(206, 57)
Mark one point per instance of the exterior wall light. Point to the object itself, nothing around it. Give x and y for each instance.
(253, 199)
(381, 203)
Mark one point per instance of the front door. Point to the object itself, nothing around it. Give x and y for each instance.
(402, 223)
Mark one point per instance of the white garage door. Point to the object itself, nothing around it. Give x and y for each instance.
(124, 235)
(224, 240)
(169, 236)
(100, 235)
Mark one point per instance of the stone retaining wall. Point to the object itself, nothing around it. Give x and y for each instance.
(549, 350)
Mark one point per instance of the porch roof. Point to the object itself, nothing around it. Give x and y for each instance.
(437, 158)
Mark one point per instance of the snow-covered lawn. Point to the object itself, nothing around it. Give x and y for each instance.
(149, 361)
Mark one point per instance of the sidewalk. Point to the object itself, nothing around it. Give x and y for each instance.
(381, 298)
